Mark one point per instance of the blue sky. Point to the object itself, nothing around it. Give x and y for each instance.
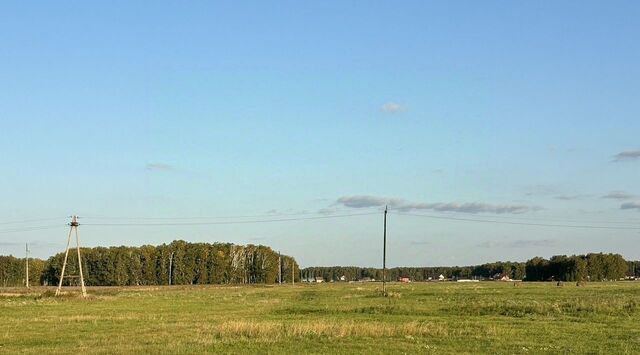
(495, 111)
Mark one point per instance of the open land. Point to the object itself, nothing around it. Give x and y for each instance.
(343, 318)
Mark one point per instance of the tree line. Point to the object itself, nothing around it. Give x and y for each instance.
(594, 267)
(177, 263)
(12, 271)
(183, 263)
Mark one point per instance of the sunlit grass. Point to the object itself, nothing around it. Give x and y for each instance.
(326, 318)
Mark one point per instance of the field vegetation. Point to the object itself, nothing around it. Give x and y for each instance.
(347, 318)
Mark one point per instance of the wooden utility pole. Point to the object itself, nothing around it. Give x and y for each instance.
(170, 268)
(74, 225)
(293, 275)
(26, 266)
(384, 254)
(279, 269)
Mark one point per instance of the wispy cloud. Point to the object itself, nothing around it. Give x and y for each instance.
(365, 201)
(519, 243)
(627, 156)
(160, 167)
(392, 107)
(619, 195)
(542, 190)
(327, 211)
(630, 206)
(570, 197)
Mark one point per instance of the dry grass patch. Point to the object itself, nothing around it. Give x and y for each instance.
(271, 330)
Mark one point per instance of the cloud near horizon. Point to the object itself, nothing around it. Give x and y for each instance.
(365, 201)
(627, 156)
(519, 243)
(618, 195)
(630, 206)
(570, 197)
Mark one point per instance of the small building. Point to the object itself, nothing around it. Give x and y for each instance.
(502, 277)
(441, 277)
(318, 279)
(404, 279)
(343, 278)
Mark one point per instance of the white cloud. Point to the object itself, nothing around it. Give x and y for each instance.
(392, 107)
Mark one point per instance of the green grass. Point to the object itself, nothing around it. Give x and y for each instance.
(489, 317)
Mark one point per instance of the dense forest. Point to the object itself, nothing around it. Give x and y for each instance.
(178, 263)
(12, 271)
(183, 263)
(594, 267)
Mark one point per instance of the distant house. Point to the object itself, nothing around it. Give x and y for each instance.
(367, 279)
(404, 279)
(343, 278)
(319, 279)
(441, 277)
(502, 277)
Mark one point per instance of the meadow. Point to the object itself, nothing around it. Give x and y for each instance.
(340, 318)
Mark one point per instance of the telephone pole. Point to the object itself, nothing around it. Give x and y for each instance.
(170, 267)
(26, 272)
(279, 269)
(74, 225)
(384, 254)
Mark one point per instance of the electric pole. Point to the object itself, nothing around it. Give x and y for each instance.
(279, 269)
(384, 254)
(26, 272)
(170, 267)
(74, 225)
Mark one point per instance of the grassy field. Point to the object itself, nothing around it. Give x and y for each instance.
(489, 317)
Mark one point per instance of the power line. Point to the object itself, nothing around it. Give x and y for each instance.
(211, 217)
(230, 222)
(401, 210)
(517, 223)
(28, 229)
(32, 220)
(478, 219)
